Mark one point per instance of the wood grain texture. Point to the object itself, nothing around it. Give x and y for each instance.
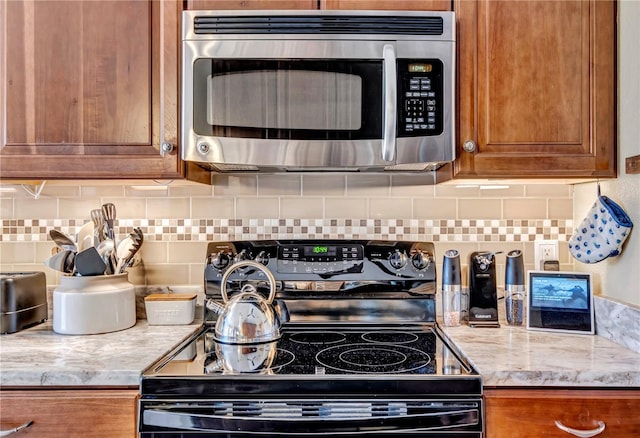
(536, 88)
(250, 4)
(88, 87)
(108, 413)
(395, 5)
(522, 413)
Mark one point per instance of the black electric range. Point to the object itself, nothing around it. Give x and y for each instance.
(361, 354)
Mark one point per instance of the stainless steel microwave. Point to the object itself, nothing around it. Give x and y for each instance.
(284, 91)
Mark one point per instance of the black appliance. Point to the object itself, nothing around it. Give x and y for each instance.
(483, 290)
(361, 354)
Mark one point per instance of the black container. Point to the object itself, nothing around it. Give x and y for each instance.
(23, 300)
(483, 294)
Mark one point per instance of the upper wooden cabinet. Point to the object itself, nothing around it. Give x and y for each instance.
(398, 5)
(537, 88)
(91, 89)
(250, 4)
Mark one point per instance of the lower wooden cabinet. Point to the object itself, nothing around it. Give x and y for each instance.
(96, 413)
(524, 413)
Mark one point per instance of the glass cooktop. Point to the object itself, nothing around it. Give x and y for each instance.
(309, 350)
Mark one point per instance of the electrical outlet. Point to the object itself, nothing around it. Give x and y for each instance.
(545, 250)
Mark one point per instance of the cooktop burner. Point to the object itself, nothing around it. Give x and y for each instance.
(376, 358)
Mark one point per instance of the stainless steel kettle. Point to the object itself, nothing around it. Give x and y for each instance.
(247, 317)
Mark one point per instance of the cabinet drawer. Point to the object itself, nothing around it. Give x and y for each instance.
(70, 413)
(533, 413)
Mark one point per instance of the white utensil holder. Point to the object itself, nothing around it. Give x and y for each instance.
(93, 304)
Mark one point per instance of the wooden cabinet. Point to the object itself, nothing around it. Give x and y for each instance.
(250, 4)
(396, 5)
(90, 89)
(79, 413)
(522, 413)
(536, 88)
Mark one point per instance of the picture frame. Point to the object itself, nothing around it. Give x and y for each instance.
(560, 301)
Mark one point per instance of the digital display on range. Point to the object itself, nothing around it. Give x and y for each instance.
(321, 250)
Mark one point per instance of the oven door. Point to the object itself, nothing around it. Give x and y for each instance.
(305, 104)
(305, 417)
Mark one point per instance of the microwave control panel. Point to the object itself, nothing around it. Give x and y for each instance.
(420, 91)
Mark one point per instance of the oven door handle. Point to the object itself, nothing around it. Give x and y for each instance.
(286, 425)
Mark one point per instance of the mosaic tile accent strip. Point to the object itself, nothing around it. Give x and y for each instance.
(175, 230)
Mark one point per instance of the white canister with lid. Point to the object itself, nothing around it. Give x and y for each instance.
(93, 304)
(170, 309)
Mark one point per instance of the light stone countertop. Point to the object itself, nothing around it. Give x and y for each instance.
(505, 356)
(40, 357)
(515, 356)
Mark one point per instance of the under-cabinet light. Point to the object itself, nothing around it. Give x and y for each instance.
(149, 188)
(493, 187)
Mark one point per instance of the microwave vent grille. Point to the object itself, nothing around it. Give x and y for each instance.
(327, 24)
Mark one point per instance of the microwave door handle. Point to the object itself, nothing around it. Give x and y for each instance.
(390, 103)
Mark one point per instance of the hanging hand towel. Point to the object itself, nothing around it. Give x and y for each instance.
(601, 233)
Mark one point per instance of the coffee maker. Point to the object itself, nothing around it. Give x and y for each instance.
(483, 290)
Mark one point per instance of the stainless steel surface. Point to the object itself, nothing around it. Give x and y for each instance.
(237, 358)
(581, 433)
(385, 153)
(247, 317)
(390, 104)
(469, 146)
(62, 240)
(327, 417)
(109, 214)
(128, 248)
(9, 432)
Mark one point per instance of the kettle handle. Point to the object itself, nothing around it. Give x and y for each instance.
(246, 264)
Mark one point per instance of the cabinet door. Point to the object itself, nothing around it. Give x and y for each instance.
(85, 413)
(536, 88)
(396, 5)
(91, 89)
(524, 413)
(250, 4)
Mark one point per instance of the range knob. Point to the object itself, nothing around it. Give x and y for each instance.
(263, 257)
(397, 259)
(220, 260)
(242, 256)
(420, 260)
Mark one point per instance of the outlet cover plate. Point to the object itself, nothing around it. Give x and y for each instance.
(545, 250)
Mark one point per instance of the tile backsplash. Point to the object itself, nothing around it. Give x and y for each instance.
(179, 220)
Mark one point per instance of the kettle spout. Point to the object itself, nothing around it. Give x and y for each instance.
(281, 311)
(214, 306)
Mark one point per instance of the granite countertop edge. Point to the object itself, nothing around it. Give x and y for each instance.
(504, 357)
(517, 357)
(39, 357)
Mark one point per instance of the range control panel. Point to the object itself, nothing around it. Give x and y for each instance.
(420, 97)
(306, 260)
